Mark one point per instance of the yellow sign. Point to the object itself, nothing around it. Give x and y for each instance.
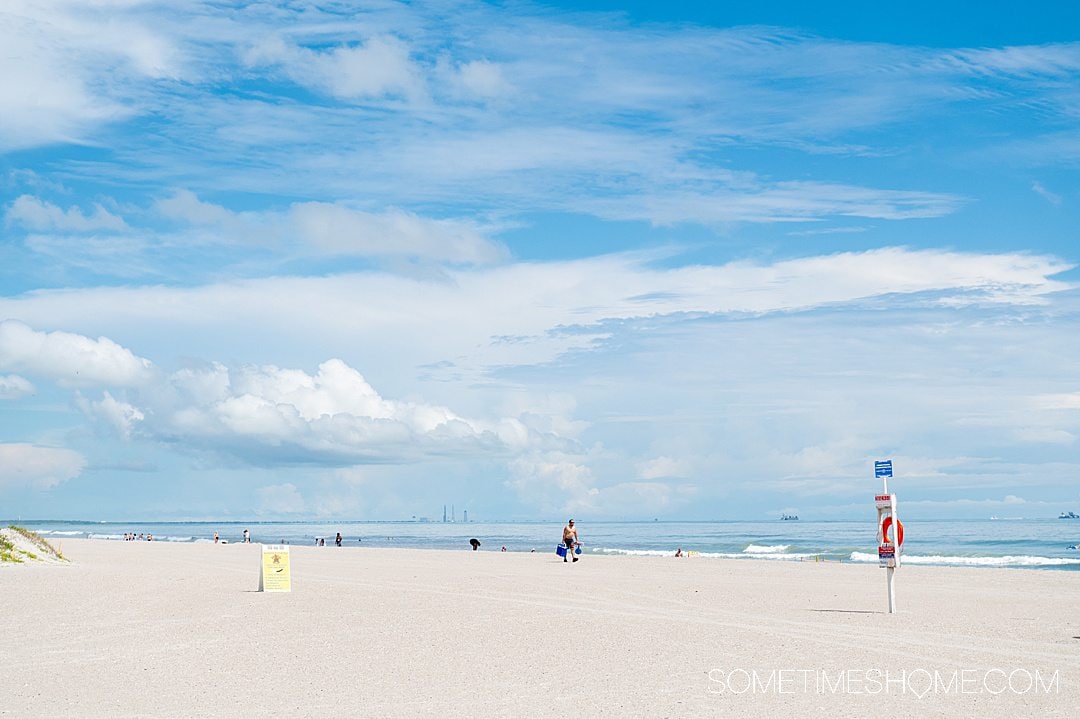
(274, 573)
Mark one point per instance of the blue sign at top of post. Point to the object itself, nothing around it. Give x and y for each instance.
(883, 468)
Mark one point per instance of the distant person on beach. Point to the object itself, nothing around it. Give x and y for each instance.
(678, 552)
(570, 539)
(475, 543)
(337, 539)
(504, 548)
(215, 537)
(247, 537)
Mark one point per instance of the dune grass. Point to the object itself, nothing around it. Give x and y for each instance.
(10, 553)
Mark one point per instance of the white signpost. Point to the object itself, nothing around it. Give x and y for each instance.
(890, 533)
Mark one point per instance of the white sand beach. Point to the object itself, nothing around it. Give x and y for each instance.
(177, 630)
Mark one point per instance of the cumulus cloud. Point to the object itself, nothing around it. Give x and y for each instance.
(35, 214)
(121, 416)
(35, 467)
(267, 416)
(13, 386)
(559, 481)
(69, 359)
(552, 481)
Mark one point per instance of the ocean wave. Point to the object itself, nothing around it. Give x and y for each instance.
(767, 548)
(772, 554)
(778, 556)
(1022, 560)
(633, 552)
(59, 533)
(104, 536)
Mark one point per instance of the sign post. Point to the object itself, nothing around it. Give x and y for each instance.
(274, 574)
(889, 546)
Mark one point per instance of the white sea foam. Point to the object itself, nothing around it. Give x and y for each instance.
(767, 548)
(779, 556)
(1022, 560)
(771, 554)
(105, 536)
(61, 534)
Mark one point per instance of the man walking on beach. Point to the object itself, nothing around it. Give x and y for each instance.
(570, 539)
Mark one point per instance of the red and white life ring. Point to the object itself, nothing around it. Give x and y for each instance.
(886, 525)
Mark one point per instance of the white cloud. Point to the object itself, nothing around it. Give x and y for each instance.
(13, 386)
(522, 313)
(380, 66)
(280, 499)
(662, 467)
(483, 79)
(1055, 60)
(1051, 197)
(334, 229)
(35, 214)
(64, 64)
(777, 202)
(552, 481)
(71, 360)
(36, 467)
(41, 101)
(121, 416)
(1067, 400)
(272, 416)
(1045, 435)
(556, 481)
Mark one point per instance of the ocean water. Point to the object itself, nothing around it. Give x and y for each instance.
(1028, 543)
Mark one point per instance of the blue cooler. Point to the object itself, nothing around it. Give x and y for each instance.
(561, 550)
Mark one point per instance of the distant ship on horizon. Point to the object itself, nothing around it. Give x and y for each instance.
(788, 517)
(1068, 515)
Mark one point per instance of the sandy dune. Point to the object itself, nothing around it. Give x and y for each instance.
(177, 630)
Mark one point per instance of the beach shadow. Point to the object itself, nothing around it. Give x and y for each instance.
(847, 611)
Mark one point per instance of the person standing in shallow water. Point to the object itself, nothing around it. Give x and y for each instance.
(337, 539)
(570, 539)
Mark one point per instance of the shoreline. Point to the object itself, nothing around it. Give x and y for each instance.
(726, 561)
(751, 553)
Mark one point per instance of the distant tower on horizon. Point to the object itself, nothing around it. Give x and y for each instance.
(466, 519)
(444, 514)
(453, 514)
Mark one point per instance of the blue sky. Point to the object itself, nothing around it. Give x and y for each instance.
(617, 260)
